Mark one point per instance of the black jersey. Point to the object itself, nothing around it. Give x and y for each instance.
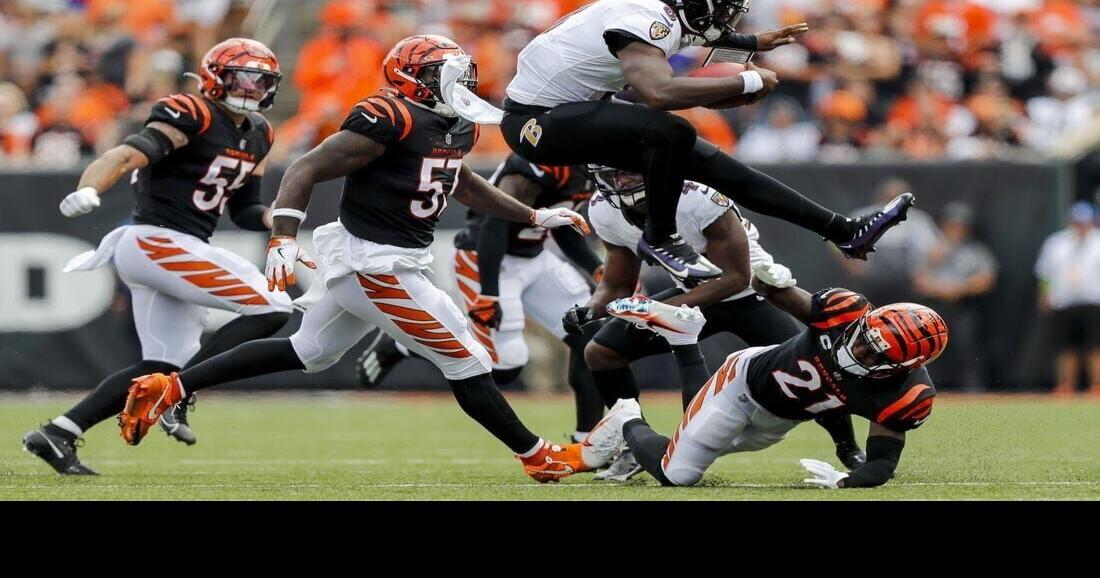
(567, 187)
(188, 190)
(397, 199)
(799, 378)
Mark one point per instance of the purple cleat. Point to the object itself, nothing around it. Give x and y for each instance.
(871, 227)
(678, 258)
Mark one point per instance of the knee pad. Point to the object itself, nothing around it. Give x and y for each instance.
(683, 476)
(512, 351)
(312, 354)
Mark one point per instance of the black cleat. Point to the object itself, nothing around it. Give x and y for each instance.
(58, 451)
(378, 359)
(174, 421)
(850, 455)
(870, 228)
(678, 258)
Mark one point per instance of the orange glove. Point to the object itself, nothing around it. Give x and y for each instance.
(486, 311)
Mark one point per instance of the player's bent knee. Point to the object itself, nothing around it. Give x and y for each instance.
(683, 476)
(602, 358)
(675, 130)
(313, 354)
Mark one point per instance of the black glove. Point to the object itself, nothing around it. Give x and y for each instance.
(850, 455)
(576, 318)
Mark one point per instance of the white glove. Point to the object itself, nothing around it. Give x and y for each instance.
(774, 274)
(79, 203)
(282, 254)
(825, 476)
(559, 217)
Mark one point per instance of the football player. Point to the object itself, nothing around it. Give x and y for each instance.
(196, 156)
(712, 225)
(505, 275)
(558, 112)
(402, 155)
(851, 358)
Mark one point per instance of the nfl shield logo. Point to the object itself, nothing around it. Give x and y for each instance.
(244, 143)
(449, 139)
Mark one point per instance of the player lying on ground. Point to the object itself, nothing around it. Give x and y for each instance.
(506, 275)
(850, 359)
(558, 112)
(712, 225)
(402, 155)
(196, 156)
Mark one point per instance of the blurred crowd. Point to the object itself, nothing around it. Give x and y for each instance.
(917, 79)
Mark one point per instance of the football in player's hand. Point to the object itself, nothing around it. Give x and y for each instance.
(719, 70)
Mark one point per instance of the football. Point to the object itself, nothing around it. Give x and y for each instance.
(718, 70)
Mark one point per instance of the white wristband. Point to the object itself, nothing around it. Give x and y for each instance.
(753, 81)
(292, 213)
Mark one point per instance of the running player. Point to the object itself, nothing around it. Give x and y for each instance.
(196, 156)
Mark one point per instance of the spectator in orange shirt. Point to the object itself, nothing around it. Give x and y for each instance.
(1060, 26)
(711, 126)
(342, 61)
(960, 27)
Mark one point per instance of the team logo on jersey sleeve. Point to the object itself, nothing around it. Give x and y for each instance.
(721, 200)
(658, 30)
(670, 13)
(531, 132)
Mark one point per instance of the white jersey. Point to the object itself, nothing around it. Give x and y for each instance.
(571, 61)
(699, 206)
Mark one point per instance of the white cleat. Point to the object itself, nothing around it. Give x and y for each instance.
(679, 325)
(622, 469)
(606, 439)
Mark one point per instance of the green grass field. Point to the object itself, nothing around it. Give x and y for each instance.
(399, 447)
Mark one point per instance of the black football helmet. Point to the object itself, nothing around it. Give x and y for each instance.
(623, 189)
(710, 19)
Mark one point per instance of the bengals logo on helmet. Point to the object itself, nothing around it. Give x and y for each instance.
(242, 73)
(908, 334)
(413, 66)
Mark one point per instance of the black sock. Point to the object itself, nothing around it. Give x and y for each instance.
(839, 427)
(648, 447)
(616, 384)
(242, 329)
(761, 193)
(589, 403)
(480, 398)
(693, 370)
(109, 397)
(250, 359)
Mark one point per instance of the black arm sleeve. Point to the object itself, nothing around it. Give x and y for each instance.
(492, 244)
(883, 454)
(245, 207)
(576, 249)
(152, 143)
(735, 40)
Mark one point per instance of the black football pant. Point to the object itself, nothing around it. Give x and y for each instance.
(666, 150)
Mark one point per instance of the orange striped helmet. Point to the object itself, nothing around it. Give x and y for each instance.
(892, 340)
(242, 73)
(413, 66)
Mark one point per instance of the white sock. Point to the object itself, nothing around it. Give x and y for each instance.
(579, 435)
(67, 425)
(534, 450)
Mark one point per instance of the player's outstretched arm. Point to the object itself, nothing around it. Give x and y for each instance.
(140, 150)
(338, 155)
(775, 283)
(728, 249)
(884, 447)
(620, 279)
(647, 70)
(477, 193)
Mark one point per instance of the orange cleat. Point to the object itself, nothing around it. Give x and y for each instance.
(150, 396)
(553, 462)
